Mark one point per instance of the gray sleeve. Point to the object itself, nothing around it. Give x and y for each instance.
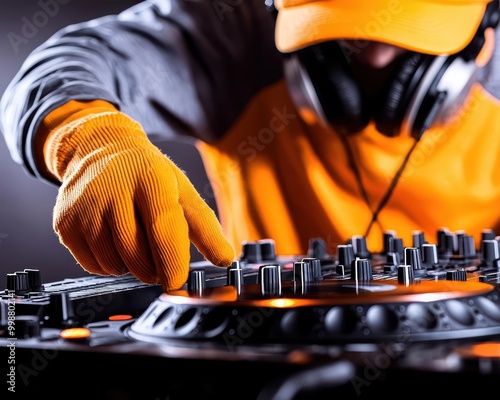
(179, 67)
(490, 76)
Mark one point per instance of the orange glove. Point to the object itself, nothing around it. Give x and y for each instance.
(123, 206)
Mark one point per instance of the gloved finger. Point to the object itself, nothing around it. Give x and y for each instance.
(74, 239)
(171, 248)
(135, 252)
(83, 254)
(126, 240)
(204, 227)
(130, 240)
(88, 235)
(165, 225)
(91, 243)
(103, 248)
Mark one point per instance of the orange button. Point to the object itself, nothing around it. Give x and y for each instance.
(482, 350)
(75, 333)
(120, 317)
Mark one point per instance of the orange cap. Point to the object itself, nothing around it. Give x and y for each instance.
(427, 26)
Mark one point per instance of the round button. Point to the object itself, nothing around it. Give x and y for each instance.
(75, 334)
(298, 323)
(489, 308)
(381, 319)
(421, 316)
(460, 312)
(340, 320)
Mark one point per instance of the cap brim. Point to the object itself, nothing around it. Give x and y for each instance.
(419, 25)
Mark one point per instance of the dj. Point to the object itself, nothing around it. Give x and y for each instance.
(326, 118)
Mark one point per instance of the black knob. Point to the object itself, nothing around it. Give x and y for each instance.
(467, 246)
(456, 275)
(197, 280)
(488, 234)
(362, 270)
(251, 252)
(392, 260)
(405, 274)
(235, 275)
(34, 279)
(317, 248)
(315, 265)
(18, 282)
(267, 249)
(414, 258)
(418, 239)
(451, 243)
(445, 242)
(302, 273)
(398, 247)
(489, 251)
(429, 254)
(60, 312)
(270, 279)
(360, 247)
(388, 239)
(345, 257)
(4, 315)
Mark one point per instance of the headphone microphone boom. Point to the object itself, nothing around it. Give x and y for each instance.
(425, 90)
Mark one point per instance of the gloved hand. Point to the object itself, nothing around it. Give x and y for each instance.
(123, 206)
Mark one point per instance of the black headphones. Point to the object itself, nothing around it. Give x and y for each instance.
(423, 91)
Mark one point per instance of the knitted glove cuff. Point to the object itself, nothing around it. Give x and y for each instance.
(71, 142)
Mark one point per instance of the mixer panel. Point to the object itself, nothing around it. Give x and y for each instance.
(352, 324)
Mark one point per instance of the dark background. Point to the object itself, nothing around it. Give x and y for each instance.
(26, 236)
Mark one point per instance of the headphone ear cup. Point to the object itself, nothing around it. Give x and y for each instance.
(333, 95)
(396, 96)
(429, 90)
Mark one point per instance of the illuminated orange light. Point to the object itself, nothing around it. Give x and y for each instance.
(282, 303)
(486, 350)
(75, 333)
(120, 317)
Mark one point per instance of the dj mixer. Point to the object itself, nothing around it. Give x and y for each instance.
(419, 318)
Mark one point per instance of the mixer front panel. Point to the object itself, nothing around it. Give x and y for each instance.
(352, 324)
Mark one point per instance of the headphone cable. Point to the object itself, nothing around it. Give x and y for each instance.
(357, 174)
(426, 124)
(390, 189)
